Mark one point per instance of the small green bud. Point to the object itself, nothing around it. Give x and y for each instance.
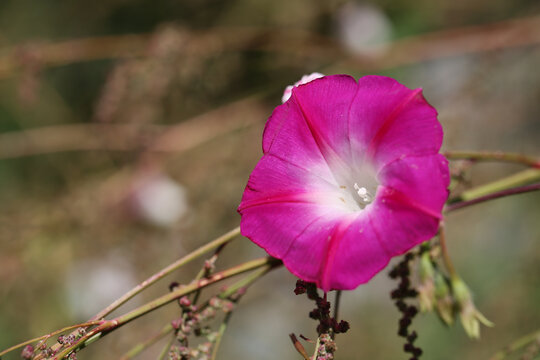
(444, 302)
(212, 336)
(426, 289)
(426, 269)
(470, 317)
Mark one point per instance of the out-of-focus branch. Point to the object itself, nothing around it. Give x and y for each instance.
(74, 137)
(14, 59)
(72, 51)
(493, 156)
(473, 39)
(223, 120)
(514, 33)
(516, 345)
(186, 135)
(111, 137)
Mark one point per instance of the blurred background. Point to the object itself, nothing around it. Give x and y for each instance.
(128, 130)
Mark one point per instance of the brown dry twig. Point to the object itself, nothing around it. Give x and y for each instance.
(507, 34)
(129, 137)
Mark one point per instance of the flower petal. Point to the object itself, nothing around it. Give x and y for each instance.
(421, 179)
(401, 225)
(288, 137)
(388, 120)
(355, 255)
(324, 104)
(273, 171)
(293, 232)
(335, 251)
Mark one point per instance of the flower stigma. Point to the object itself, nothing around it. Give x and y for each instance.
(365, 196)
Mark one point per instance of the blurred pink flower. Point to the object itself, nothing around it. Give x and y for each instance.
(350, 177)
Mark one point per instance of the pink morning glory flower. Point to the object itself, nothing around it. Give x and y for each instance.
(351, 176)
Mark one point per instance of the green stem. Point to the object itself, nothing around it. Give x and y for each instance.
(45, 337)
(493, 156)
(521, 178)
(516, 345)
(316, 352)
(243, 283)
(165, 350)
(110, 325)
(219, 336)
(136, 350)
(493, 196)
(166, 271)
(229, 291)
(336, 305)
(446, 256)
(205, 272)
(336, 309)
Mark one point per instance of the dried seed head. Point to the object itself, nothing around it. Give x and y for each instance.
(184, 302)
(28, 352)
(173, 286)
(215, 302)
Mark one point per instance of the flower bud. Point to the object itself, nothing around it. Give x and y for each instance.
(444, 302)
(426, 289)
(470, 317)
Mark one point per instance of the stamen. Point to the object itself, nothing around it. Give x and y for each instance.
(363, 193)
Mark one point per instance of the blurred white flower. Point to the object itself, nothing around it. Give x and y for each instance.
(362, 28)
(304, 80)
(91, 285)
(159, 200)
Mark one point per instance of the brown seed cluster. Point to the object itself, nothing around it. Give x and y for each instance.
(321, 313)
(404, 291)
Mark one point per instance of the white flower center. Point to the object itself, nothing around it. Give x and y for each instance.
(357, 187)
